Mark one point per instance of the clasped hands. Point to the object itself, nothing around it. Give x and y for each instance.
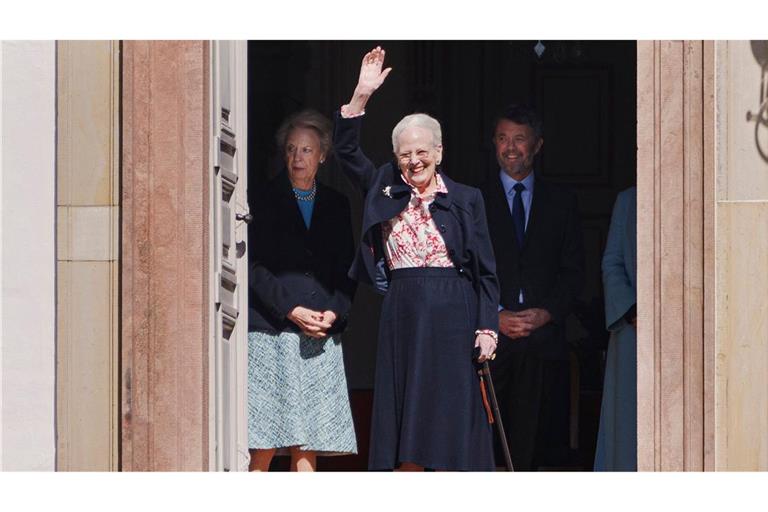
(314, 324)
(519, 324)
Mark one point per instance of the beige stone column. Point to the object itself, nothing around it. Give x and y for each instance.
(88, 212)
(742, 257)
(165, 255)
(675, 177)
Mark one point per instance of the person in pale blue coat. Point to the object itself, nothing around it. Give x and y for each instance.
(617, 436)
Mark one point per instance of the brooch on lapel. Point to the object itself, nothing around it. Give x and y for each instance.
(387, 191)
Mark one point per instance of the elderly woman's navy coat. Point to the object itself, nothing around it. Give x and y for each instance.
(459, 215)
(428, 408)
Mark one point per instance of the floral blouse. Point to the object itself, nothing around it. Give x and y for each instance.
(411, 239)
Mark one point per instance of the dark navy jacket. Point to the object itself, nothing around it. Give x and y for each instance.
(458, 214)
(550, 266)
(291, 265)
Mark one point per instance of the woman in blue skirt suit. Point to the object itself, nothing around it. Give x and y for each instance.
(425, 243)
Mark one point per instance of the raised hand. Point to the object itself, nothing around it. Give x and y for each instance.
(371, 78)
(371, 75)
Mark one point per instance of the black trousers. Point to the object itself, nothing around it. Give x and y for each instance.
(525, 387)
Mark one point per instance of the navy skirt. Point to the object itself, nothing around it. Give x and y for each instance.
(427, 405)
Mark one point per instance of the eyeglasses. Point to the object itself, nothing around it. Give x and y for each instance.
(405, 158)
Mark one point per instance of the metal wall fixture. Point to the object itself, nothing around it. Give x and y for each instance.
(760, 118)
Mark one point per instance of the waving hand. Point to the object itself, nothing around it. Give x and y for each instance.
(371, 78)
(371, 75)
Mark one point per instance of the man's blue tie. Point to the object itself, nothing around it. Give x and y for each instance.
(518, 213)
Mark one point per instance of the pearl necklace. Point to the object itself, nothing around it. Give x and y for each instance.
(308, 197)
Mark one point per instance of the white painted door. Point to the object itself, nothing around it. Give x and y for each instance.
(229, 256)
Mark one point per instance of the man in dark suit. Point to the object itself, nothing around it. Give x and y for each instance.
(536, 235)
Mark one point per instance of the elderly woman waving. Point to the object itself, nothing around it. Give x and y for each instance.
(425, 240)
(301, 247)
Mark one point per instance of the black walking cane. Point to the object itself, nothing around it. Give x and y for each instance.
(485, 376)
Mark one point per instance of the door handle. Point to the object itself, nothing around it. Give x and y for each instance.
(246, 217)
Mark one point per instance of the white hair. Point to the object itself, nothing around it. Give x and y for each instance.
(420, 120)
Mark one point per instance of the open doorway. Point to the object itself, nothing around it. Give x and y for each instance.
(586, 94)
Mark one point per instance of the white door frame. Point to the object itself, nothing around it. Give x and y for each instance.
(228, 260)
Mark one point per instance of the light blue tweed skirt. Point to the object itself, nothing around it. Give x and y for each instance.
(297, 394)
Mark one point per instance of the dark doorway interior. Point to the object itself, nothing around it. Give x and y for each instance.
(586, 93)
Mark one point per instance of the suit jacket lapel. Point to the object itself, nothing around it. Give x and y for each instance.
(444, 199)
(443, 202)
(538, 203)
(289, 205)
(322, 206)
(389, 200)
(501, 214)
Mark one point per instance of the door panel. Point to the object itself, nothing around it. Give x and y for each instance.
(229, 254)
